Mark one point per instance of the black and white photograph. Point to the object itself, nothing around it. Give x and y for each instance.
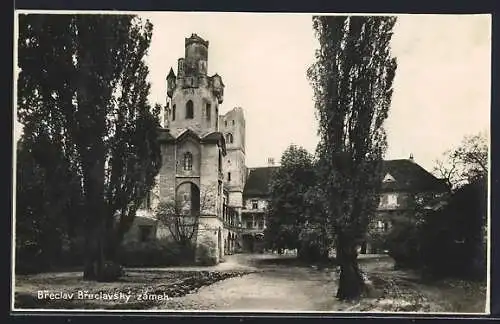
(251, 162)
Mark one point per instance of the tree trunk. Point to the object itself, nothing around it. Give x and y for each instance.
(351, 283)
(93, 258)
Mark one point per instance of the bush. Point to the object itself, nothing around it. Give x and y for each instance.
(207, 253)
(453, 242)
(403, 244)
(159, 252)
(111, 271)
(378, 242)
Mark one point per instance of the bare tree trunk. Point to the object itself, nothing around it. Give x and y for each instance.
(351, 283)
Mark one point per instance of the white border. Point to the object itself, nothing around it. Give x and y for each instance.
(251, 313)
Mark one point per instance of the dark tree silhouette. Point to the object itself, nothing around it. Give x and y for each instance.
(288, 206)
(352, 81)
(82, 88)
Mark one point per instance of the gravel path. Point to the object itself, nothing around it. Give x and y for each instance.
(268, 288)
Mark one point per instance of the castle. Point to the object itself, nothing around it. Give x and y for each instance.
(204, 172)
(203, 156)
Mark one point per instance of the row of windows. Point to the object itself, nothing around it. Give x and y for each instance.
(190, 111)
(251, 225)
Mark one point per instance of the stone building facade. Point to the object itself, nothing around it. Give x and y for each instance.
(253, 216)
(203, 159)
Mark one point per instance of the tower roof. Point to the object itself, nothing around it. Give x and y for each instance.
(171, 74)
(195, 39)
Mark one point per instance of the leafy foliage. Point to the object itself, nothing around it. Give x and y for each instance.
(352, 81)
(82, 92)
(453, 239)
(290, 205)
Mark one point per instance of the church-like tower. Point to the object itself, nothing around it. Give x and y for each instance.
(193, 97)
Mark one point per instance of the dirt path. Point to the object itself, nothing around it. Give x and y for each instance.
(267, 289)
(288, 287)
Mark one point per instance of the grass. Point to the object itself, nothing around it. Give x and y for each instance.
(137, 289)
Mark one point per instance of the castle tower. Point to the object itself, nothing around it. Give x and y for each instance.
(232, 125)
(193, 97)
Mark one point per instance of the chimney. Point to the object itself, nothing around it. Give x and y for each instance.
(411, 157)
(270, 161)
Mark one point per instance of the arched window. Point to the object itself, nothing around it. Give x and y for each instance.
(188, 161)
(229, 138)
(173, 112)
(189, 110)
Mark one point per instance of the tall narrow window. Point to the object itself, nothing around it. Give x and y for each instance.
(220, 161)
(229, 138)
(225, 123)
(173, 113)
(216, 117)
(208, 111)
(188, 161)
(232, 122)
(229, 176)
(189, 110)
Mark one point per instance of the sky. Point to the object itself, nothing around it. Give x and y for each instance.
(441, 89)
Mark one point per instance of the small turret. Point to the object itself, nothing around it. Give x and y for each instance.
(171, 78)
(218, 87)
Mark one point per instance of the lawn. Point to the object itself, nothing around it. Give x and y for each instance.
(137, 289)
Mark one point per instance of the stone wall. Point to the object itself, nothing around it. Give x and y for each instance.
(200, 123)
(210, 241)
(167, 181)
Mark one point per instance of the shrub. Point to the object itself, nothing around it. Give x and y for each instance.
(207, 253)
(453, 238)
(403, 244)
(111, 271)
(159, 252)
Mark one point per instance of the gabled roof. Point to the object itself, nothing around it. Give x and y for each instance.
(164, 135)
(410, 176)
(257, 184)
(388, 178)
(188, 133)
(215, 137)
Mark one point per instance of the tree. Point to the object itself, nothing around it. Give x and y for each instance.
(43, 201)
(287, 208)
(182, 217)
(352, 81)
(454, 237)
(82, 88)
(466, 163)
